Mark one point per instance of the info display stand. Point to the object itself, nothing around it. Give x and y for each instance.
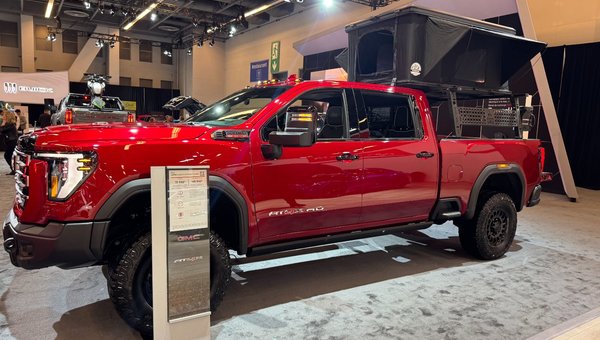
(180, 252)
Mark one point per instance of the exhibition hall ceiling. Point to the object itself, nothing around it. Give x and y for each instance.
(161, 18)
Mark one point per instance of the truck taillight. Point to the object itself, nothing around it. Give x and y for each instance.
(542, 157)
(131, 118)
(69, 116)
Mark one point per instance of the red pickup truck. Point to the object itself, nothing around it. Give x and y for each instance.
(374, 166)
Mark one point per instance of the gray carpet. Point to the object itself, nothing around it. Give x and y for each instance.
(418, 285)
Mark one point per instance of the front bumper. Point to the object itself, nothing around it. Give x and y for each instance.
(66, 245)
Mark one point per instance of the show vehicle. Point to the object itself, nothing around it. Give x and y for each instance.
(377, 166)
(92, 107)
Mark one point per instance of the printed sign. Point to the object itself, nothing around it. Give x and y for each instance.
(275, 56)
(32, 88)
(188, 199)
(259, 70)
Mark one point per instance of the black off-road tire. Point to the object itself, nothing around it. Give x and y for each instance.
(130, 281)
(491, 232)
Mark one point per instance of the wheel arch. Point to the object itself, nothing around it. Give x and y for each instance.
(222, 193)
(508, 179)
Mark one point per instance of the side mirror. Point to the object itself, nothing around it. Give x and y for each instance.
(300, 128)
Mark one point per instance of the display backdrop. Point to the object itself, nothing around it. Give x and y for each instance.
(32, 88)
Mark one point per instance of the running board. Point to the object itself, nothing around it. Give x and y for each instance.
(310, 242)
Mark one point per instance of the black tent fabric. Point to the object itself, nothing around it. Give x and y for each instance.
(579, 112)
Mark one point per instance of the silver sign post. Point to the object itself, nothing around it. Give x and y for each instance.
(180, 252)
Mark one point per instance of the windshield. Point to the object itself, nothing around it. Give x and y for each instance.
(77, 100)
(237, 108)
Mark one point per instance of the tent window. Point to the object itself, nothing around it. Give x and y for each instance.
(376, 52)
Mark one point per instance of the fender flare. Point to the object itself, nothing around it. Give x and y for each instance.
(138, 186)
(488, 171)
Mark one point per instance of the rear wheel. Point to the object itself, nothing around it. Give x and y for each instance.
(491, 231)
(130, 281)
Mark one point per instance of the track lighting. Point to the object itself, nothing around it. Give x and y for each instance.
(51, 36)
(189, 51)
(212, 41)
(87, 4)
(99, 43)
(154, 16)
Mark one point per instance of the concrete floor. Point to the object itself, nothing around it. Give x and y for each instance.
(416, 285)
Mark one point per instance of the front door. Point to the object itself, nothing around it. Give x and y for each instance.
(309, 190)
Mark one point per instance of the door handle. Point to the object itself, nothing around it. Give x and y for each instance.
(424, 154)
(346, 156)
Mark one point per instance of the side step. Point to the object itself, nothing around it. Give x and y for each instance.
(303, 243)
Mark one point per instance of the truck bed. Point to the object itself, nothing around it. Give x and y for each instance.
(462, 161)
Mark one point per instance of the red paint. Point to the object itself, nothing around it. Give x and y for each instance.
(306, 192)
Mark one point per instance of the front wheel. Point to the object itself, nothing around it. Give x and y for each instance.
(491, 231)
(130, 281)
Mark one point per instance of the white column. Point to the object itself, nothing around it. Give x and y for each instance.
(27, 44)
(548, 105)
(113, 61)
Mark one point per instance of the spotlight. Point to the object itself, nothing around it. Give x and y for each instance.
(232, 30)
(125, 11)
(328, 3)
(189, 51)
(154, 16)
(201, 41)
(165, 52)
(51, 36)
(87, 4)
(212, 41)
(168, 53)
(195, 21)
(99, 43)
(111, 43)
(101, 9)
(112, 10)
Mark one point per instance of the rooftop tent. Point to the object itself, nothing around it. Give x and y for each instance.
(435, 50)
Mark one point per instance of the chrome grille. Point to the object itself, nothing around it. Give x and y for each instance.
(21, 166)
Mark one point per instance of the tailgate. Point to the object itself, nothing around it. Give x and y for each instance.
(81, 116)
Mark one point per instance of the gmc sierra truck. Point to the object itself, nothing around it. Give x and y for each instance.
(278, 179)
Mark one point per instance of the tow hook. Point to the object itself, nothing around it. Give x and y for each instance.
(10, 245)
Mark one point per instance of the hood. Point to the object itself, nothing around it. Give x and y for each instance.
(82, 135)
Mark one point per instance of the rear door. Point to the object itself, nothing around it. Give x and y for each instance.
(309, 190)
(400, 160)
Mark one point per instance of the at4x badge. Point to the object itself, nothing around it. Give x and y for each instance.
(294, 211)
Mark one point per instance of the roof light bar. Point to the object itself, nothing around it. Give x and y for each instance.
(141, 15)
(49, 8)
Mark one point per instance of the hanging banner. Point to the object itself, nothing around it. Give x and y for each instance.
(32, 88)
(259, 70)
(275, 56)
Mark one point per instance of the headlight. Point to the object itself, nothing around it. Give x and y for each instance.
(66, 172)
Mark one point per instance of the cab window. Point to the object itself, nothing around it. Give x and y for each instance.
(389, 115)
(331, 111)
